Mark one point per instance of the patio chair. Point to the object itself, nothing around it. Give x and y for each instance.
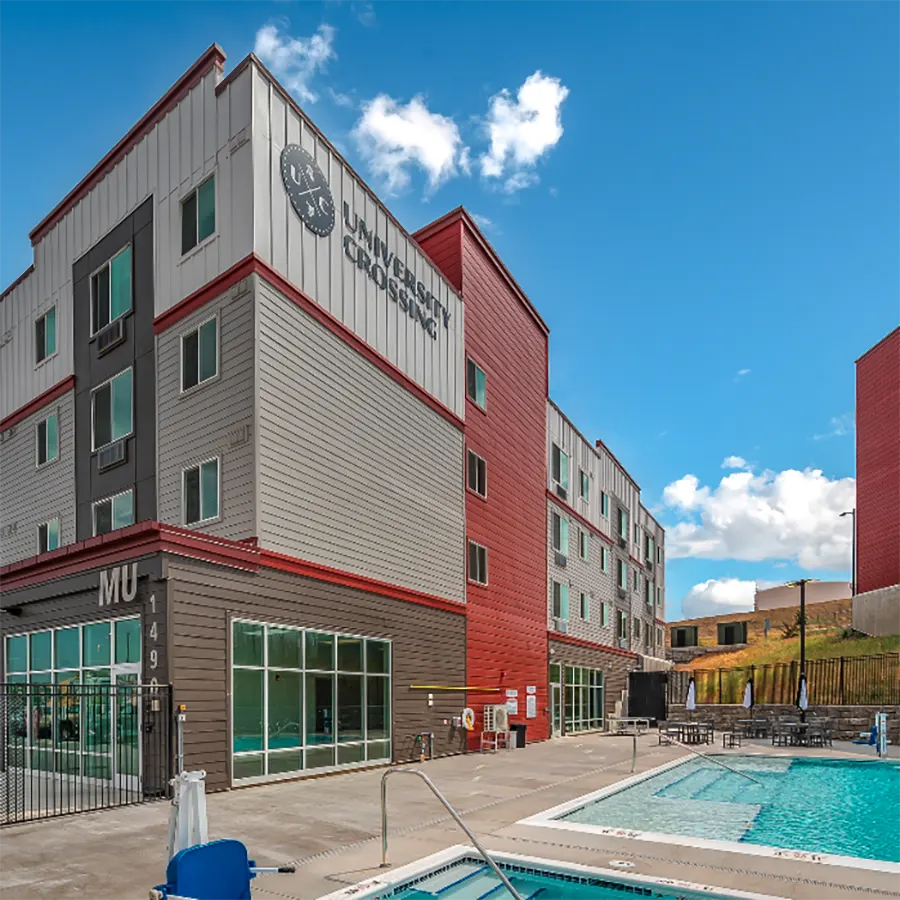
(219, 870)
(664, 732)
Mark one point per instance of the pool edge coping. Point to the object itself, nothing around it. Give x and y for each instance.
(393, 877)
(549, 818)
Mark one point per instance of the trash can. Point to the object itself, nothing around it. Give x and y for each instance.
(519, 731)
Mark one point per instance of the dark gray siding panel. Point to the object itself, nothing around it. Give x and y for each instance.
(428, 648)
(355, 472)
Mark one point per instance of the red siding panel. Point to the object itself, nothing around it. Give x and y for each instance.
(507, 619)
(878, 465)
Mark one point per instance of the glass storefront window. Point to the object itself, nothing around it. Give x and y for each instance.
(68, 648)
(96, 644)
(128, 641)
(17, 654)
(306, 700)
(584, 699)
(40, 651)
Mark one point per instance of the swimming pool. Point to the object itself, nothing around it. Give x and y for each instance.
(459, 873)
(824, 809)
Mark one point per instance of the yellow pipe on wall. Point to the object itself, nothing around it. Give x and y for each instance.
(447, 687)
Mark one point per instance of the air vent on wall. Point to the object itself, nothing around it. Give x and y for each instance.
(109, 337)
(560, 560)
(111, 455)
(562, 492)
(561, 625)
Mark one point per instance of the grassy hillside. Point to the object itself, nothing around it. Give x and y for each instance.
(778, 649)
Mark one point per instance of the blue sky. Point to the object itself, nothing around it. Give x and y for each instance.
(701, 199)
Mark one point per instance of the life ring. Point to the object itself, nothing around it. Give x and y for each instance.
(468, 718)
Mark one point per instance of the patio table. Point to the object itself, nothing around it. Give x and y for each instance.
(754, 728)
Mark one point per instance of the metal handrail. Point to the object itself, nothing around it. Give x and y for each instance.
(446, 803)
(718, 762)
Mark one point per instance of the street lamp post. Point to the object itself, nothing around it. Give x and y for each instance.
(801, 583)
(852, 512)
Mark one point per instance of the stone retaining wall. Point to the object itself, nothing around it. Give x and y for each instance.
(846, 721)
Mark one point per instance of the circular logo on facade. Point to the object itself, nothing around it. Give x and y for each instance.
(309, 192)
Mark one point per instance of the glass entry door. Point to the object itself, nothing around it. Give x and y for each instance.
(556, 709)
(126, 735)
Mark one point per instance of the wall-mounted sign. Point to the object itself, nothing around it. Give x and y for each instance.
(512, 706)
(512, 692)
(308, 189)
(118, 582)
(531, 706)
(531, 689)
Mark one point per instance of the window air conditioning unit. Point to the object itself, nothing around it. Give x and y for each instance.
(622, 592)
(562, 492)
(111, 455)
(560, 559)
(561, 625)
(648, 564)
(623, 643)
(623, 543)
(109, 337)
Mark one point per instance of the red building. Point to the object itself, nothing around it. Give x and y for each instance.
(878, 465)
(505, 426)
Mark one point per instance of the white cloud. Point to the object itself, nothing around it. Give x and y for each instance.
(742, 372)
(718, 596)
(789, 515)
(394, 137)
(839, 426)
(365, 14)
(522, 130)
(484, 223)
(341, 99)
(295, 61)
(735, 462)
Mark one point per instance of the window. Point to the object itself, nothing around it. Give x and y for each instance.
(658, 595)
(648, 548)
(477, 474)
(111, 410)
(585, 607)
(560, 467)
(200, 355)
(45, 336)
(584, 545)
(111, 290)
(636, 630)
(200, 489)
(659, 555)
(604, 504)
(560, 534)
(659, 637)
(114, 512)
(48, 439)
(648, 592)
(478, 564)
(604, 614)
(585, 485)
(198, 215)
(604, 559)
(684, 636)
(623, 574)
(48, 536)
(732, 632)
(303, 700)
(560, 600)
(584, 699)
(637, 534)
(476, 384)
(637, 580)
(623, 625)
(623, 523)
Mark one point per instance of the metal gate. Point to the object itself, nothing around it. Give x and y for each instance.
(70, 748)
(647, 695)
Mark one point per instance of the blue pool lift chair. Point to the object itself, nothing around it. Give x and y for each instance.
(868, 740)
(219, 870)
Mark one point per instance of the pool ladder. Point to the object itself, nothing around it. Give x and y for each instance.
(446, 803)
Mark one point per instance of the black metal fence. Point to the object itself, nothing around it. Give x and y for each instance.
(74, 747)
(844, 680)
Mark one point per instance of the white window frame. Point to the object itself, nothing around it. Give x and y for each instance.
(43, 315)
(197, 465)
(46, 524)
(110, 500)
(215, 232)
(94, 447)
(585, 606)
(483, 372)
(622, 633)
(94, 331)
(658, 595)
(584, 481)
(37, 440)
(604, 614)
(624, 520)
(604, 504)
(637, 579)
(474, 490)
(469, 573)
(563, 613)
(604, 559)
(584, 544)
(563, 549)
(636, 628)
(622, 574)
(562, 453)
(187, 333)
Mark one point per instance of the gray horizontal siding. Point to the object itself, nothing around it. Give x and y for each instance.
(354, 471)
(30, 496)
(214, 419)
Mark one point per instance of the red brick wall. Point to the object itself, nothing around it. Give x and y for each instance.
(878, 465)
(507, 619)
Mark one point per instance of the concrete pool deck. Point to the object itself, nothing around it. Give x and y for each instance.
(330, 829)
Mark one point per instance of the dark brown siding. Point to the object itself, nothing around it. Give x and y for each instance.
(615, 668)
(428, 648)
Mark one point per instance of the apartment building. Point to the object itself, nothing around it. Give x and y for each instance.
(260, 443)
(605, 600)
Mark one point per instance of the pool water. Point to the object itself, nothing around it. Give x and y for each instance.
(472, 879)
(833, 806)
